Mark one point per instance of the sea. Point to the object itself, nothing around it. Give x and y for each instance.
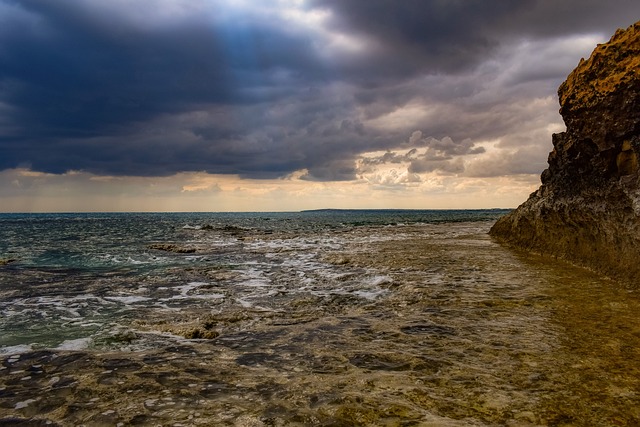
(314, 318)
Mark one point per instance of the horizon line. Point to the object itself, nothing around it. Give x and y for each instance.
(284, 211)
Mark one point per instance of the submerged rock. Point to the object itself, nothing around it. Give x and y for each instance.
(203, 334)
(588, 207)
(168, 247)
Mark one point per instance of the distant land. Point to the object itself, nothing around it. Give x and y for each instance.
(401, 210)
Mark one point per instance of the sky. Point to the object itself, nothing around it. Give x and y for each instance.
(284, 105)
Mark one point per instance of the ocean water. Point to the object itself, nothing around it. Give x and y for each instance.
(327, 318)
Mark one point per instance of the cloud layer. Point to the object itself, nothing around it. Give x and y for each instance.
(262, 90)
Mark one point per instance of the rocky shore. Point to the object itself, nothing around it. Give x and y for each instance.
(587, 210)
(455, 331)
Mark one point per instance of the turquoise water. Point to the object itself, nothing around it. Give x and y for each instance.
(75, 276)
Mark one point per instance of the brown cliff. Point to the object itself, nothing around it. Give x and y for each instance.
(588, 207)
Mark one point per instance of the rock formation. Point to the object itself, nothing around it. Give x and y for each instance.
(168, 247)
(588, 207)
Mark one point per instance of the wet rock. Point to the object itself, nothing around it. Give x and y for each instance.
(200, 334)
(337, 259)
(106, 418)
(179, 349)
(526, 416)
(192, 329)
(356, 414)
(122, 365)
(258, 359)
(588, 207)
(437, 330)
(26, 422)
(227, 229)
(140, 420)
(71, 361)
(7, 261)
(118, 339)
(325, 364)
(168, 247)
(233, 230)
(380, 362)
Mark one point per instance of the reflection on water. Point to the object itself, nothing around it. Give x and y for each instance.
(416, 325)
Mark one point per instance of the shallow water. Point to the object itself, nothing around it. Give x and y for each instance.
(327, 319)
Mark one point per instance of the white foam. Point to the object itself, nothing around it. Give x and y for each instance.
(131, 299)
(16, 349)
(254, 278)
(185, 289)
(77, 344)
(244, 303)
(370, 295)
(255, 283)
(87, 324)
(184, 292)
(292, 245)
(191, 227)
(208, 296)
(379, 280)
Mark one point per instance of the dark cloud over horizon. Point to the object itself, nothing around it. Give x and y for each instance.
(263, 89)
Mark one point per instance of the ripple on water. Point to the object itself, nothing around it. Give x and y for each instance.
(410, 325)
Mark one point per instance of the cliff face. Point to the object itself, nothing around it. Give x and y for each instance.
(588, 207)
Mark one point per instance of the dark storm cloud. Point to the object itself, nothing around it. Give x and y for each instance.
(72, 69)
(78, 82)
(436, 35)
(460, 32)
(159, 87)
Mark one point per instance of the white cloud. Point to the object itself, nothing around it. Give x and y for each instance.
(412, 115)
